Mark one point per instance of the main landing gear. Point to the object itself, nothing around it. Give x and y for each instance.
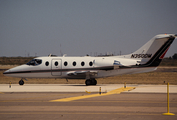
(90, 82)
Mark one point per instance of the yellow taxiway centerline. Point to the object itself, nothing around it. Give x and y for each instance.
(116, 91)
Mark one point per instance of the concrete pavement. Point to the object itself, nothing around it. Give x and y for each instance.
(83, 88)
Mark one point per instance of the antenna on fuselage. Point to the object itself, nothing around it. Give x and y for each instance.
(64, 55)
(61, 51)
(50, 55)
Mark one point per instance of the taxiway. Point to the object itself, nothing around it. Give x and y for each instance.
(141, 103)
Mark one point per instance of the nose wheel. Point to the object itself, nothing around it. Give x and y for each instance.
(21, 82)
(90, 82)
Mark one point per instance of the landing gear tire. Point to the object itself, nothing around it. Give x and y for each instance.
(90, 82)
(94, 82)
(21, 82)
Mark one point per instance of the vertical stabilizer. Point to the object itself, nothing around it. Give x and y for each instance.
(153, 51)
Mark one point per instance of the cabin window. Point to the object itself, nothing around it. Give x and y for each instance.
(82, 63)
(65, 63)
(34, 62)
(56, 63)
(74, 63)
(47, 63)
(90, 63)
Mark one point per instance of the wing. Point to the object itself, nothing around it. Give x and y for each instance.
(83, 74)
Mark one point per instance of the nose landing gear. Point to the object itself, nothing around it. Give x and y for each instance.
(21, 82)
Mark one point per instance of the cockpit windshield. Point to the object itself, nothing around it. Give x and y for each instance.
(34, 62)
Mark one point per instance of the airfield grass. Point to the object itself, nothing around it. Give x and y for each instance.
(156, 77)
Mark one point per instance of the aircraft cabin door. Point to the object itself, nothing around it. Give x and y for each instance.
(56, 67)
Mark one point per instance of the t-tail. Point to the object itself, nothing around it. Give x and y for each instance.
(152, 53)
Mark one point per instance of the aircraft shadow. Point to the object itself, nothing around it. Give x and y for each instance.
(82, 85)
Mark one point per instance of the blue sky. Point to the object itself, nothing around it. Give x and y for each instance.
(80, 27)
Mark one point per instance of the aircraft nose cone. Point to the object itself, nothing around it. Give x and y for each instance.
(6, 72)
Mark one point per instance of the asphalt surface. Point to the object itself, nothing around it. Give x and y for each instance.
(123, 106)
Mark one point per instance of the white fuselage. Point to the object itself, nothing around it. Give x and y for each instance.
(62, 67)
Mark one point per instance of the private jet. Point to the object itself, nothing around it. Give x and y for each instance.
(145, 59)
